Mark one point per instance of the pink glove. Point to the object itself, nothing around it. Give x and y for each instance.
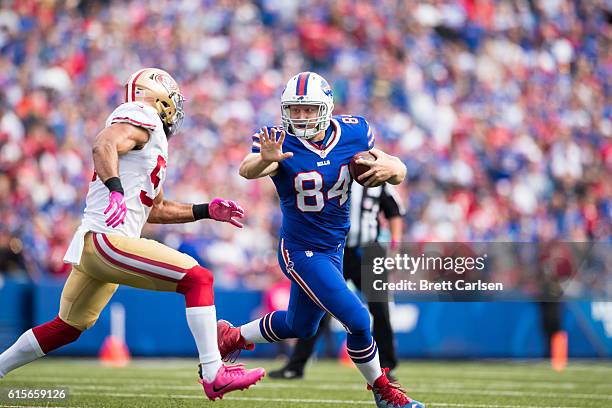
(116, 201)
(225, 211)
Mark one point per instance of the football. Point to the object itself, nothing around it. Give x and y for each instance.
(357, 170)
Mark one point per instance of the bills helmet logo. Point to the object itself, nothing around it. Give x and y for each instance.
(326, 88)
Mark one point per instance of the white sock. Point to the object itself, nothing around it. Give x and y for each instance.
(25, 350)
(202, 322)
(252, 333)
(370, 370)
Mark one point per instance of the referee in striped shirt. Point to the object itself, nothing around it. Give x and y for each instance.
(366, 204)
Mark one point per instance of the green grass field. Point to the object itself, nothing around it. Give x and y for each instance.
(172, 383)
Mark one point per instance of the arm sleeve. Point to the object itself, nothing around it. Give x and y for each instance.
(135, 114)
(390, 202)
(370, 136)
(255, 146)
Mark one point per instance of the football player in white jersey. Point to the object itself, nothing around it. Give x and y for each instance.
(130, 157)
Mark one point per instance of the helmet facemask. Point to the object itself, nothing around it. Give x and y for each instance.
(172, 118)
(302, 128)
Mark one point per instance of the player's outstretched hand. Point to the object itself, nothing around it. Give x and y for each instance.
(226, 211)
(117, 204)
(272, 146)
(381, 169)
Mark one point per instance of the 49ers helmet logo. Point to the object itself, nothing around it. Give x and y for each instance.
(167, 82)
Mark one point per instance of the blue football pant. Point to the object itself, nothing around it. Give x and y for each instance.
(318, 286)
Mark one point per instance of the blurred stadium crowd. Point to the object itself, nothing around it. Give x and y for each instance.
(500, 109)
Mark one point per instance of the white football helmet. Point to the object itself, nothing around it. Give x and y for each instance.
(307, 88)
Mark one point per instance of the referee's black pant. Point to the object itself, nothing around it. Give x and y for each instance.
(382, 333)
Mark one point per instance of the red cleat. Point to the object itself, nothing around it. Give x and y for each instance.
(230, 341)
(231, 378)
(390, 395)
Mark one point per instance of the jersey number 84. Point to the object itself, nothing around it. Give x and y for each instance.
(310, 189)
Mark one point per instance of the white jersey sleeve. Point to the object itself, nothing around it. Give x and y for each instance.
(137, 114)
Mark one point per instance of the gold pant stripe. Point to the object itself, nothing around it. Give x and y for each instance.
(135, 263)
(93, 282)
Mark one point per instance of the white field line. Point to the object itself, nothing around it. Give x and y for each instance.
(182, 363)
(275, 385)
(430, 375)
(528, 382)
(421, 390)
(450, 404)
(202, 397)
(509, 368)
(425, 385)
(353, 402)
(310, 401)
(186, 362)
(36, 406)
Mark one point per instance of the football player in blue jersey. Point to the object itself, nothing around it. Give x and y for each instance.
(310, 169)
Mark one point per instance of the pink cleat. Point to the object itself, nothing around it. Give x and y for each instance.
(231, 378)
(230, 341)
(391, 395)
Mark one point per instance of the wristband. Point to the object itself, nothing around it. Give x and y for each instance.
(114, 184)
(200, 211)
